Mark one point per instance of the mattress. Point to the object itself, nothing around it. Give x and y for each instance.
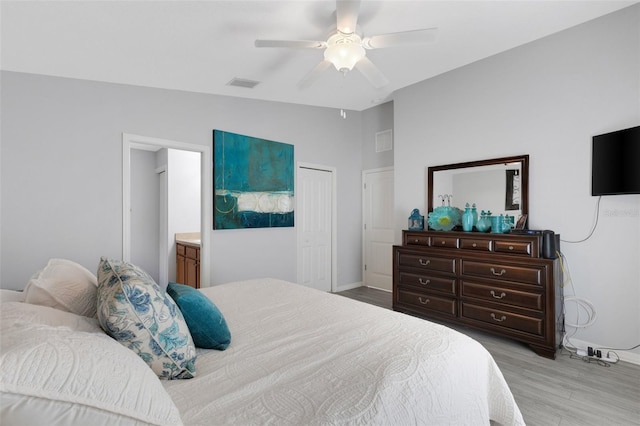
(299, 356)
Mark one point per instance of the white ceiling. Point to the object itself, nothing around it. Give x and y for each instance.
(201, 46)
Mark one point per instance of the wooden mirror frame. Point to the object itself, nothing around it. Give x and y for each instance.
(524, 176)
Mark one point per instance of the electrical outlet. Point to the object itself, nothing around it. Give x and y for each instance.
(597, 355)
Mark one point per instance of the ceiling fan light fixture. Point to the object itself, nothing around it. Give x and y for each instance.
(344, 51)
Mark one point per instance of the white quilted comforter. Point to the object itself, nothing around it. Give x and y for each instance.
(302, 357)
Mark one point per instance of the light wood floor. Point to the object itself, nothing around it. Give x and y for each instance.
(564, 391)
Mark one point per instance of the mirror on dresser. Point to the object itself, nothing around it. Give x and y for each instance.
(500, 185)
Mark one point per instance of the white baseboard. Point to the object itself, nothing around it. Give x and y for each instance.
(381, 289)
(626, 356)
(345, 287)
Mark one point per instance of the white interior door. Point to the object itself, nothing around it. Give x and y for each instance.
(378, 228)
(314, 224)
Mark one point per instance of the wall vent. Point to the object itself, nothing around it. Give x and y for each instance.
(243, 82)
(384, 141)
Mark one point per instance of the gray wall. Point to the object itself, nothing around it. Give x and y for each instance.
(376, 120)
(145, 213)
(546, 99)
(61, 171)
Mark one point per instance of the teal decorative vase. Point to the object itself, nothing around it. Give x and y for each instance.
(507, 224)
(484, 223)
(474, 213)
(496, 224)
(467, 219)
(509, 221)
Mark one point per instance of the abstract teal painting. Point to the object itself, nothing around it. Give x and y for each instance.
(253, 182)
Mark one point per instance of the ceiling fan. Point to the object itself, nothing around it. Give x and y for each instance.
(346, 46)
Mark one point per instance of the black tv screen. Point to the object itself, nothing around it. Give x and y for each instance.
(615, 163)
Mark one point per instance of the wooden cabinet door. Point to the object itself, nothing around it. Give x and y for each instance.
(180, 269)
(191, 272)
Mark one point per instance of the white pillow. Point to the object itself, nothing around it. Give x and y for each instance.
(11, 295)
(22, 314)
(64, 285)
(58, 376)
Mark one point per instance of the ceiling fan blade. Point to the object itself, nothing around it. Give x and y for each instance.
(404, 38)
(371, 73)
(296, 44)
(347, 15)
(314, 74)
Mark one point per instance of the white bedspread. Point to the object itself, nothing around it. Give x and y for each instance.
(303, 357)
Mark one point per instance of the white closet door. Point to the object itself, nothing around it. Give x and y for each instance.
(314, 223)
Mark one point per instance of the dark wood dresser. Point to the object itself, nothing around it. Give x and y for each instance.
(499, 283)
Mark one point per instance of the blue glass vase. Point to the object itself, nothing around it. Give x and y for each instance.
(496, 224)
(484, 223)
(474, 213)
(467, 219)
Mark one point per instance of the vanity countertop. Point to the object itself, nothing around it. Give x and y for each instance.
(188, 238)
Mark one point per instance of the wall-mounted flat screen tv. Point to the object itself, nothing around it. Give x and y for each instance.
(615, 163)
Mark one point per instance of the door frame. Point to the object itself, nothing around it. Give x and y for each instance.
(364, 231)
(131, 141)
(334, 220)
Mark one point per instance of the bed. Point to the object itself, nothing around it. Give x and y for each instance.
(297, 356)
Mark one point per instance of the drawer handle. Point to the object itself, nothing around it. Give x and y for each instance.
(424, 302)
(498, 274)
(510, 247)
(474, 245)
(423, 282)
(443, 242)
(493, 293)
(416, 240)
(423, 262)
(502, 318)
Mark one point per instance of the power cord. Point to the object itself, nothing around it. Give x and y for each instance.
(583, 304)
(580, 302)
(592, 354)
(593, 228)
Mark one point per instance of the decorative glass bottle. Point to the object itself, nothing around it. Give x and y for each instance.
(474, 212)
(467, 219)
(484, 223)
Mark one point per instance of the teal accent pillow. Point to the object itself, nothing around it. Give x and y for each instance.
(137, 313)
(206, 323)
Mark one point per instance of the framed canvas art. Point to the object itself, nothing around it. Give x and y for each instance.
(253, 182)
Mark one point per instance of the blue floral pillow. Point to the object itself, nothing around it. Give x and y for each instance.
(136, 312)
(206, 323)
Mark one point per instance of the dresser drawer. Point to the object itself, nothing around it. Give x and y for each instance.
(427, 262)
(504, 295)
(475, 244)
(427, 283)
(444, 242)
(503, 318)
(416, 239)
(180, 249)
(514, 247)
(429, 302)
(524, 274)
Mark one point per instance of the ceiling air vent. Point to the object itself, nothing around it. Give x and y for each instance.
(243, 82)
